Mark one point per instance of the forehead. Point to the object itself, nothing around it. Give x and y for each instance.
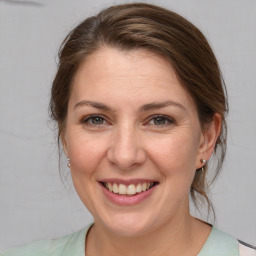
(135, 76)
(138, 64)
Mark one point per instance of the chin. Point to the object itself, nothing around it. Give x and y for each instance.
(129, 225)
(128, 230)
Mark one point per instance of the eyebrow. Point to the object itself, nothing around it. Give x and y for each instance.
(159, 105)
(94, 104)
(144, 108)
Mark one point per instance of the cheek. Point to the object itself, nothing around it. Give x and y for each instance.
(174, 158)
(175, 154)
(86, 154)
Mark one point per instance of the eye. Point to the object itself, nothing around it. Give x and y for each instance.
(94, 120)
(160, 120)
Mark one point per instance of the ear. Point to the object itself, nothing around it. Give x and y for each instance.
(209, 137)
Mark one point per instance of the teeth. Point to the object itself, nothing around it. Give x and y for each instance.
(144, 186)
(115, 188)
(138, 188)
(131, 189)
(122, 189)
(109, 186)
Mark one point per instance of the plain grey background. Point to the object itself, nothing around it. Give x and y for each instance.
(34, 203)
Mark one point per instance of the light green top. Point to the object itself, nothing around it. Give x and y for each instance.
(217, 244)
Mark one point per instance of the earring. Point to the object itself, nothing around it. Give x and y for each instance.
(203, 161)
(68, 162)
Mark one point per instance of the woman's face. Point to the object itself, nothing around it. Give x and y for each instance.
(132, 127)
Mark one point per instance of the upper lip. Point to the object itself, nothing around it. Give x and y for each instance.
(127, 182)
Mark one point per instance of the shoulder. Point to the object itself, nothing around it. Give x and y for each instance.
(222, 244)
(73, 244)
(246, 249)
(219, 243)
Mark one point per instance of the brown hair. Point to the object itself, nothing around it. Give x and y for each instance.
(140, 25)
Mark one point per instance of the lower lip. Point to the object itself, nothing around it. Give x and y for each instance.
(127, 200)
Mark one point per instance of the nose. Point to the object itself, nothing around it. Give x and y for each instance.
(126, 150)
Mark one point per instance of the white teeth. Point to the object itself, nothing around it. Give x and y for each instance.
(115, 188)
(131, 189)
(138, 188)
(144, 186)
(122, 189)
(109, 186)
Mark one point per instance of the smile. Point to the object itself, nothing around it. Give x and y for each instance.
(128, 192)
(130, 189)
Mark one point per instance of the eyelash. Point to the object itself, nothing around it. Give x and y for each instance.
(167, 120)
(87, 119)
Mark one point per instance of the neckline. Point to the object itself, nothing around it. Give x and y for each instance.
(218, 243)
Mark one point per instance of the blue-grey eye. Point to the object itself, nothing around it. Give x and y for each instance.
(160, 120)
(93, 120)
(97, 120)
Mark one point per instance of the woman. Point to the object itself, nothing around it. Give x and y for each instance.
(140, 105)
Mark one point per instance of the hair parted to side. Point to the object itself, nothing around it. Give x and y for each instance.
(132, 26)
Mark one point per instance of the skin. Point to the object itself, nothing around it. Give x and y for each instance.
(127, 142)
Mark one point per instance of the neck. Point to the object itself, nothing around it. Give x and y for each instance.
(183, 237)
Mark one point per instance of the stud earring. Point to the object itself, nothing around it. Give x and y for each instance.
(203, 161)
(68, 162)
